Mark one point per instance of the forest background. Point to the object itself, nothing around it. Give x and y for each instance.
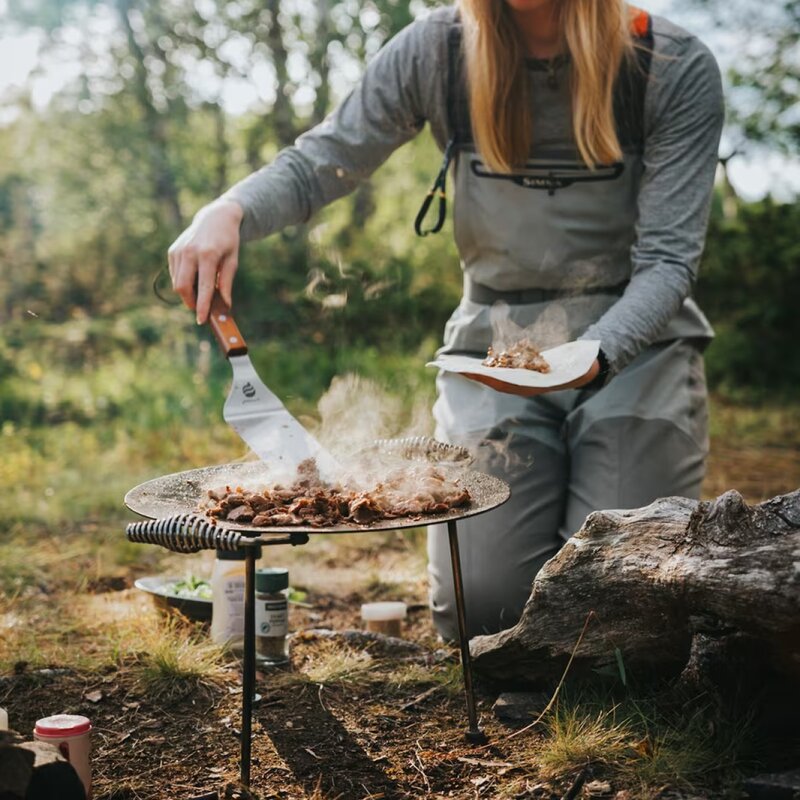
(103, 385)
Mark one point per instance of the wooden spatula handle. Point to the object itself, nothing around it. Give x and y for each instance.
(225, 329)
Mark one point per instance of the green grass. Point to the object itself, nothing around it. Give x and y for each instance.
(91, 408)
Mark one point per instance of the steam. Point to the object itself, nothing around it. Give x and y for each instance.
(356, 411)
(549, 329)
(578, 305)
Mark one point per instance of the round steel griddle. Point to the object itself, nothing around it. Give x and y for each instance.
(181, 492)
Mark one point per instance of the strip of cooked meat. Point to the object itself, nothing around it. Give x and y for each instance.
(242, 513)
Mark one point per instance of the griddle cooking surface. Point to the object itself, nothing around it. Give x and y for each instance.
(181, 492)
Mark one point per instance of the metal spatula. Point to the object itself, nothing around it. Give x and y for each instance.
(256, 413)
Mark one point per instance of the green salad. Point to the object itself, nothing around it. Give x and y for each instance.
(191, 586)
(200, 589)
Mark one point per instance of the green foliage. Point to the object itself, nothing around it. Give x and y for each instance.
(92, 406)
(96, 186)
(765, 78)
(749, 284)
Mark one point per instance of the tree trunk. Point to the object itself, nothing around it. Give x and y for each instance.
(221, 149)
(668, 587)
(319, 61)
(165, 190)
(282, 114)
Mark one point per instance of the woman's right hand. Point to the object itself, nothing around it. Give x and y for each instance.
(206, 256)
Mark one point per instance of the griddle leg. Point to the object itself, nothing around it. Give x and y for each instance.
(248, 664)
(474, 734)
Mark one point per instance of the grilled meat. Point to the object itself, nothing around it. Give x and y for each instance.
(413, 492)
(522, 355)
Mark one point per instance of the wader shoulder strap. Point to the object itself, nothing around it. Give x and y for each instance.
(458, 120)
(458, 129)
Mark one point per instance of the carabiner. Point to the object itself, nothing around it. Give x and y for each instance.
(439, 188)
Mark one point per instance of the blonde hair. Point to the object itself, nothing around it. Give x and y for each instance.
(597, 36)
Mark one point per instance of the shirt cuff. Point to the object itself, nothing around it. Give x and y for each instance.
(603, 376)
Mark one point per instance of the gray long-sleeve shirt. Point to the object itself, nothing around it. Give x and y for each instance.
(658, 216)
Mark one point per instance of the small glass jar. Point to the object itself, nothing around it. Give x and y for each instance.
(272, 616)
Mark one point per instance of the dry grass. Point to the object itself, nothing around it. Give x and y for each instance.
(176, 659)
(757, 473)
(45, 639)
(28, 559)
(575, 738)
(318, 793)
(376, 587)
(333, 664)
(447, 677)
(96, 632)
(754, 449)
(640, 743)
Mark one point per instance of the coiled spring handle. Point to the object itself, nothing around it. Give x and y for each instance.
(424, 448)
(185, 533)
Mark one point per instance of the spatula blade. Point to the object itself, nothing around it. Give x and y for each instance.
(265, 424)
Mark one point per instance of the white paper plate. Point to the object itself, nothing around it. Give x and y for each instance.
(567, 363)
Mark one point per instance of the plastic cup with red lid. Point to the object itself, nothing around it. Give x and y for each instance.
(70, 734)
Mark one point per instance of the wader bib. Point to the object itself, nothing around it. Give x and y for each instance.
(553, 240)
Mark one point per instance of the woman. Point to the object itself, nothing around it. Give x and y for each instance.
(584, 139)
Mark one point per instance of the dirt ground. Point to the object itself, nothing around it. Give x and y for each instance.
(347, 719)
(366, 722)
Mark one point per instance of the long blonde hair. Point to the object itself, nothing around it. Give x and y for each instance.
(597, 36)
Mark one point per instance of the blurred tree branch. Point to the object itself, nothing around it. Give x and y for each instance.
(766, 77)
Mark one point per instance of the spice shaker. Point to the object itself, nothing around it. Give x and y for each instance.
(272, 616)
(385, 618)
(70, 734)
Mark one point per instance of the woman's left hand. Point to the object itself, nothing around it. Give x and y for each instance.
(532, 391)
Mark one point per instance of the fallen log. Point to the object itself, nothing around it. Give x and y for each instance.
(671, 588)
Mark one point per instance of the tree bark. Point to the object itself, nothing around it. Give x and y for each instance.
(282, 115)
(165, 190)
(221, 149)
(319, 61)
(667, 587)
